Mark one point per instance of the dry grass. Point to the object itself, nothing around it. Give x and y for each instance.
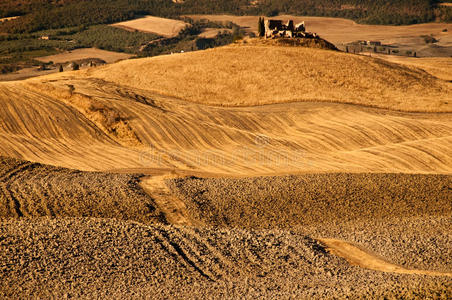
(160, 26)
(440, 67)
(257, 75)
(79, 54)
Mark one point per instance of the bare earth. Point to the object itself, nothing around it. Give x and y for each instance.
(168, 193)
(87, 257)
(91, 258)
(161, 26)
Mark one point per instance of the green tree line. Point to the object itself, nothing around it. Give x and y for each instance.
(45, 14)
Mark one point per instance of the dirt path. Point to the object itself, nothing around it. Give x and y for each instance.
(364, 259)
(175, 212)
(173, 208)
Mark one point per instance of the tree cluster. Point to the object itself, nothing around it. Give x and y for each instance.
(44, 14)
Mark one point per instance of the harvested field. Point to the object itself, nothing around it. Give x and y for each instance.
(105, 258)
(212, 32)
(161, 26)
(245, 75)
(25, 73)
(91, 124)
(440, 67)
(34, 190)
(79, 54)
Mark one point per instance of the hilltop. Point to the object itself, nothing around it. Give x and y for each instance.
(256, 74)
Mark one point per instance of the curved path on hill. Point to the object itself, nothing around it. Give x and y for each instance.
(172, 208)
(175, 212)
(362, 258)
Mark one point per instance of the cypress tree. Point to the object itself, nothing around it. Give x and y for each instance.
(261, 27)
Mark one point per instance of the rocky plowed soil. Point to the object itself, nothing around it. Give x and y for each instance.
(313, 199)
(90, 258)
(32, 190)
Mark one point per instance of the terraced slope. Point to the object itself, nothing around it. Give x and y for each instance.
(93, 124)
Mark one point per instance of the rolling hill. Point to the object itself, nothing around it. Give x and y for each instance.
(145, 115)
(264, 74)
(365, 211)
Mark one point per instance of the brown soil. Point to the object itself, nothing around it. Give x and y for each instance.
(80, 257)
(92, 258)
(312, 199)
(33, 190)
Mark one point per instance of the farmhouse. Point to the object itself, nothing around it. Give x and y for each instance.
(278, 29)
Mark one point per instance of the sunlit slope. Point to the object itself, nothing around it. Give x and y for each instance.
(243, 75)
(91, 124)
(44, 129)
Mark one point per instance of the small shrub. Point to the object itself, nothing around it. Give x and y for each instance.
(429, 39)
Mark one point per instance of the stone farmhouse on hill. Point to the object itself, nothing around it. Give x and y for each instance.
(278, 29)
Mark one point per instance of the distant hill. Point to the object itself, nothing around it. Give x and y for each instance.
(254, 73)
(43, 14)
(226, 111)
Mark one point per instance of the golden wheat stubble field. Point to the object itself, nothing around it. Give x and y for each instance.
(161, 26)
(440, 67)
(237, 111)
(85, 53)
